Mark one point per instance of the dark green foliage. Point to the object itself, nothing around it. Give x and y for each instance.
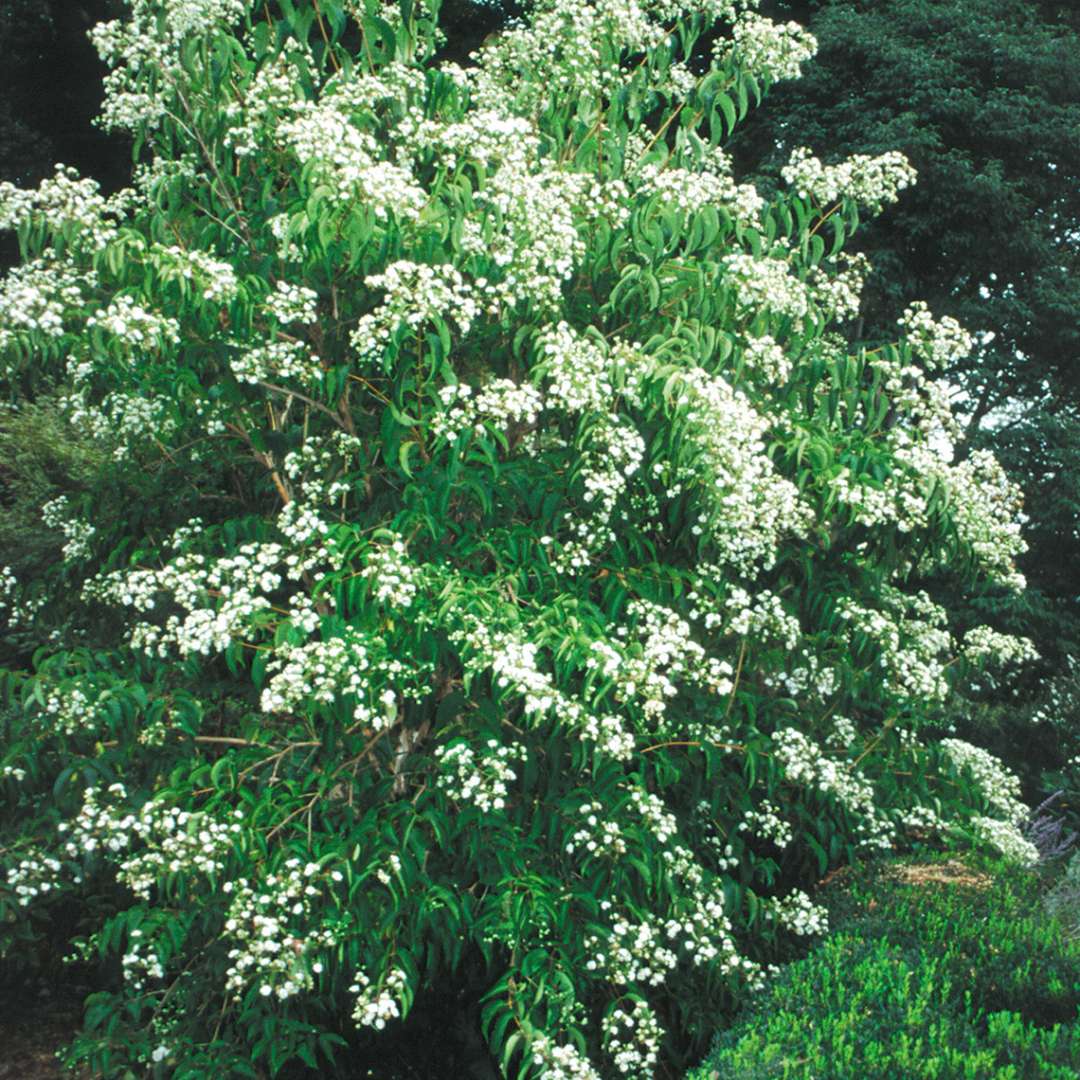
(927, 979)
(1063, 900)
(41, 457)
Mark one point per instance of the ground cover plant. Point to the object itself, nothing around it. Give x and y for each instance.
(935, 970)
(489, 565)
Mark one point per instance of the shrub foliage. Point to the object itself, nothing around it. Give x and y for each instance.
(516, 571)
(963, 979)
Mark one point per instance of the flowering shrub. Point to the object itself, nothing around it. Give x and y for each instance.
(524, 573)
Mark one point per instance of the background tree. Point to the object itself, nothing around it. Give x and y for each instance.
(984, 98)
(52, 91)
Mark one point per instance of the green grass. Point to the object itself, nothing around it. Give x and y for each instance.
(921, 980)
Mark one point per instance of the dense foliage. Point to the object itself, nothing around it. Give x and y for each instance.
(935, 971)
(984, 99)
(486, 561)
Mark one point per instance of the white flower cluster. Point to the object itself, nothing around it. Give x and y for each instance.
(804, 763)
(63, 203)
(767, 823)
(148, 176)
(168, 841)
(142, 960)
(513, 663)
(1007, 839)
(500, 403)
(269, 954)
(748, 507)
(480, 779)
(215, 278)
(767, 49)
(560, 1062)
(69, 711)
(798, 914)
(999, 786)
(292, 303)
(415, 294)
(938, 342)
(837, 291)
(985, 643)
(133, 325)
(925, 400)
(843, 733)
(808, 676)
(345, 160)
(1062, 697)
(706, 181)
(986, 506)
(119, 420)
(612, 456)
(174, 841)
(37, 297)
(487, 136)
(395, 580)
(766, 282)
(598, 835)
(143, 52)
(921, 820)
(654, 814)
(577, 369)
(302, 524)
(277, 359)
(221, 596)
(531, 230)
(205, 629)
(385, 876)
(870, 181)
(649, 664)
(78, 533)
(288, 235)
(567, 48)
(317, 465)
(183, 18)
(270, 94)
(700, 929)
(631, 952)
(318, 671)
(761, 615)
(763, 356)
(912, 634)
(376, 1005)
(20, 609)
(530, 204)
(33, 876)
(705, 930)
(870, 505)
(632, 1040)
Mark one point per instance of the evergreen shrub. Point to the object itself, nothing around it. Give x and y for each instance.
(922, 980)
